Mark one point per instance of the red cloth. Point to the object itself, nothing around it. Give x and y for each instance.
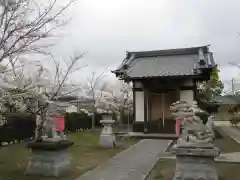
(59, 120)
(178, 125)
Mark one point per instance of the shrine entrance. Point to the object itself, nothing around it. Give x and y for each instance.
(160, 118)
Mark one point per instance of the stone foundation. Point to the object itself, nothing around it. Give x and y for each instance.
(49, 158)
(195, 163)
(49, 163)
(195, 168)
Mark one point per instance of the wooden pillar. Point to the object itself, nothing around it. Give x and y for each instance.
(149, 107)
(195, 89)
(145, 109)
(134, 105)
(178, 94)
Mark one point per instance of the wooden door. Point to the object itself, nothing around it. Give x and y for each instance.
(168, 120)
(155, 121)
(161, 120)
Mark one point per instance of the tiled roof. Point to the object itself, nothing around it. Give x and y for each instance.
(172, 62)
(163, 66)
(228, 99)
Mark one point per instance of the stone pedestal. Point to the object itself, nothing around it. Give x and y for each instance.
(195, 162)
(49, 158)
(107, 137)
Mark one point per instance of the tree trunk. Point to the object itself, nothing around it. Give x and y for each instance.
(94, 112)
(40, 119)
(93, 119)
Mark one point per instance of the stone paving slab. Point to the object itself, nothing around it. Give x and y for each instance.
(229, 157)
(134, 163)
(150, 135)
(222, 123)
(223, 158)
(233, 132)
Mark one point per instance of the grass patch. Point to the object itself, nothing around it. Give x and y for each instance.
(85, 155)
(226, 144)
(164, 170)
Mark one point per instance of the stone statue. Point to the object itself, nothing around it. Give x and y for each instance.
(210, 125)
(50, 133)
(194, 150)
(194, 131)
(45, 124)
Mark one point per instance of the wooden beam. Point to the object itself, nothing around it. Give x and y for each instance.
(193, 87)
(168, 77)
(138, 89)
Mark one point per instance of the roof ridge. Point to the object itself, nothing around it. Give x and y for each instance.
(162, 52)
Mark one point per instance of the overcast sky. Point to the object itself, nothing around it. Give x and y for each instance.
(106, 29)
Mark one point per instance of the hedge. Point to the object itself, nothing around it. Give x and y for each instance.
(17, 127)
(21, 126)
(127, 119)
(77, 121)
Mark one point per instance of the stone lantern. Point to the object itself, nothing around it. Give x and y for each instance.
(107, 137)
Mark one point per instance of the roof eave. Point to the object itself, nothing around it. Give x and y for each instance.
(165, 77)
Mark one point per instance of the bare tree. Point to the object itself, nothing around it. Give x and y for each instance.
(39, 93)
(95, 92)
(121, 98)
(53, 93)
(24, 24)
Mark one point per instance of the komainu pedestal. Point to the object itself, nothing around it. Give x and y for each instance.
(107, 137)
(49, 158)
(195, 162)
(194, 150)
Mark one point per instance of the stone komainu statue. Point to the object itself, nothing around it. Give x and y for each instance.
(193, 129)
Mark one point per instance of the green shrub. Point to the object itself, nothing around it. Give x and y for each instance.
(80, 121)
(18, 127)
(127, 119)
(77, 121)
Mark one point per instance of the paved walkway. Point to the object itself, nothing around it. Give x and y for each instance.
(223, 158)
(150, 135)
(134, 163)
(233, 132)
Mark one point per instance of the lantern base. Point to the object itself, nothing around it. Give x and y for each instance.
(107, 140)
